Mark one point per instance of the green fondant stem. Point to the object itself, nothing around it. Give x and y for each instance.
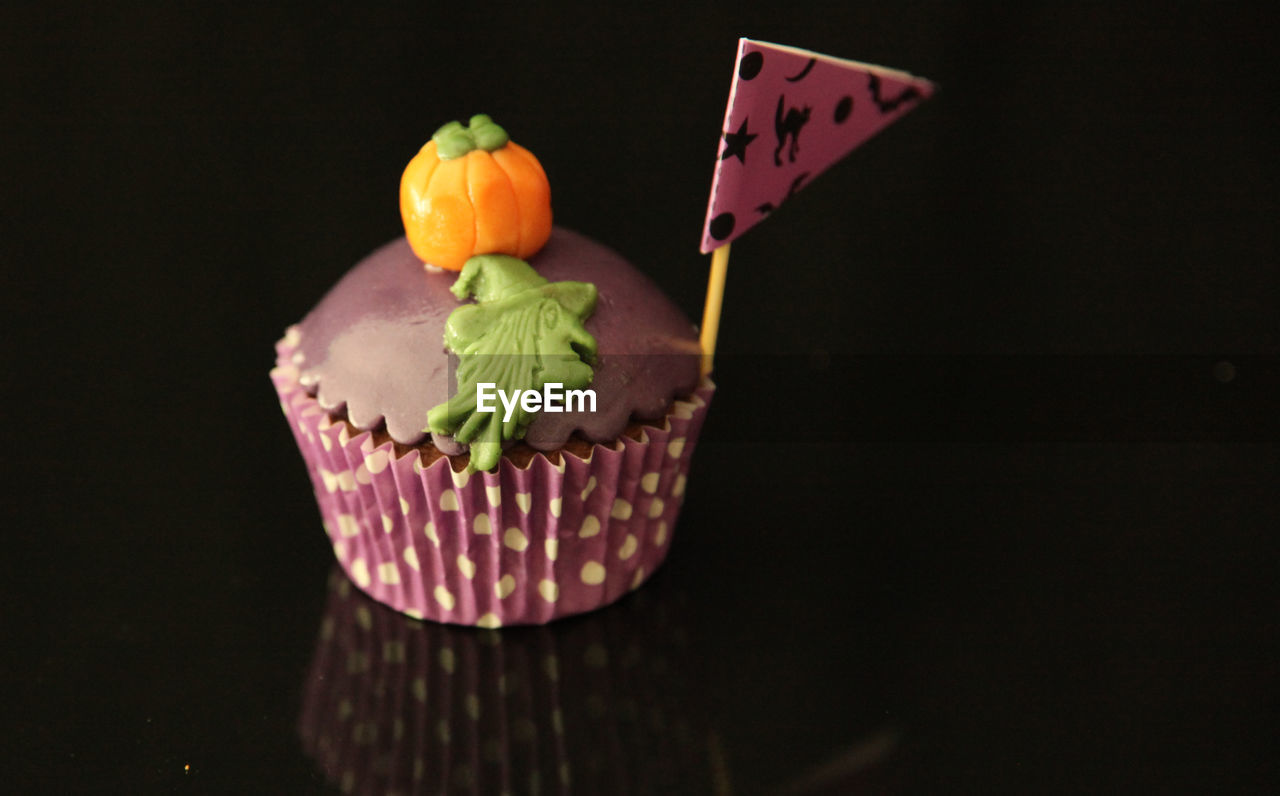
(453, 140)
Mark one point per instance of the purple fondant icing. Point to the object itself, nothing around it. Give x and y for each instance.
(375, 344)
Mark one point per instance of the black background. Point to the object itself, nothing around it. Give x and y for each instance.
(1018, 354)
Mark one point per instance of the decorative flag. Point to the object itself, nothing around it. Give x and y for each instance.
(792, 114)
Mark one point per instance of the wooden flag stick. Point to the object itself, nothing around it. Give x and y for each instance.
(711, 310)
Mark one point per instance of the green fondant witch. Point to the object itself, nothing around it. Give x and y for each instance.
(522, 333)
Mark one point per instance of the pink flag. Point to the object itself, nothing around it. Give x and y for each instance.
(792, 114)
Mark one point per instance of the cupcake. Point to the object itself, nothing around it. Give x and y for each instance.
(497, 414)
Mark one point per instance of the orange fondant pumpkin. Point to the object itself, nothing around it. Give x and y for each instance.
(472, 191)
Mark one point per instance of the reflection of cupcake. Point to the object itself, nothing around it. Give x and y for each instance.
(520, 515)
(598, 705)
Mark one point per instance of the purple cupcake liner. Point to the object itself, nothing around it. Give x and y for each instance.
(512, 547)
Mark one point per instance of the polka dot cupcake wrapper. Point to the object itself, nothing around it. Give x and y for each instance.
(397, 706)
(516, 546)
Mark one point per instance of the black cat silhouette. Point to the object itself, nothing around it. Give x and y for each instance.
(789, 124)
(768, 207)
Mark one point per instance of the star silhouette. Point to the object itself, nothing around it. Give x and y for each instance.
(735, 144)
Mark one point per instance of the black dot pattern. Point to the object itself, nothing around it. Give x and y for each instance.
(843, 109)
(721, 226)
(750, 65)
